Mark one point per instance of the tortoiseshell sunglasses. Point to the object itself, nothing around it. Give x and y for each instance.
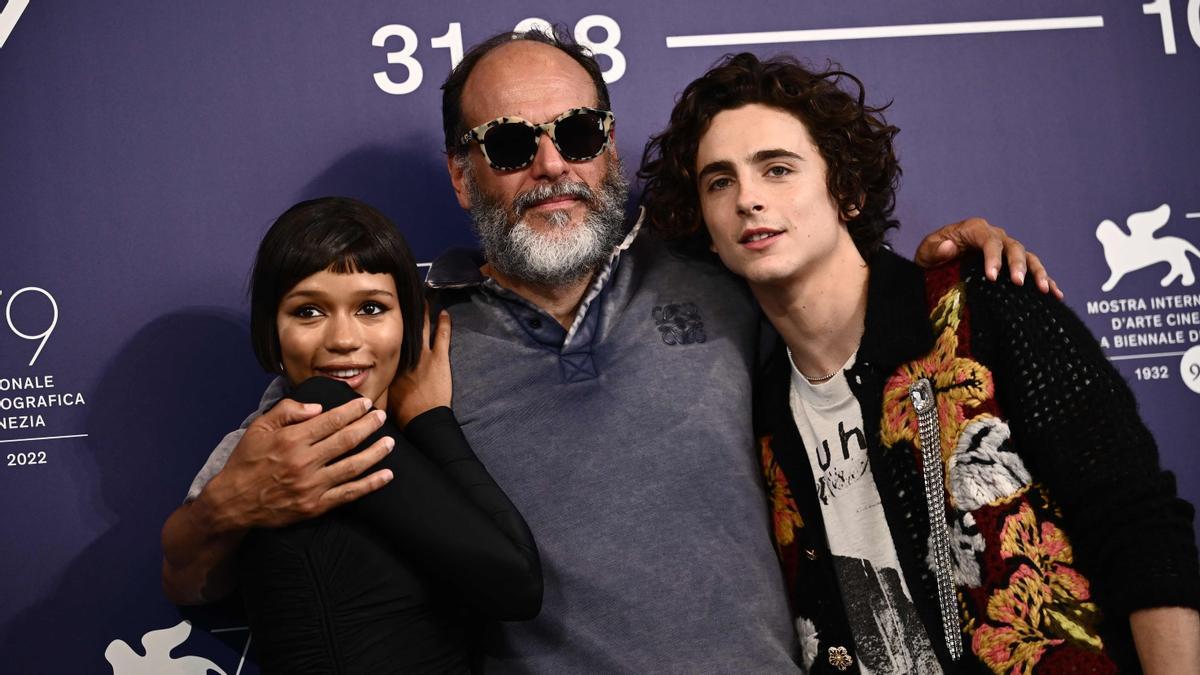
(510, 143)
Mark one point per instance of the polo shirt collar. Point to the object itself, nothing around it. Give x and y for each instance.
(459, 269)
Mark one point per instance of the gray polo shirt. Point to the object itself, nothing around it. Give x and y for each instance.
(626, 443)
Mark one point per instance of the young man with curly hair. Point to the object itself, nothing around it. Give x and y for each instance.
(959, 480)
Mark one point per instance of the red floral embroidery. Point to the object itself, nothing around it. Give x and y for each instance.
(1045, 603)
(784, 514)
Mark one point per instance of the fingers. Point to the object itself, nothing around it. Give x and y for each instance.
(993, 250)
(953, 240)
(296, 486)
(348, 469)
(978, 233)
(348, 492)
(345, 439)
(1038, 271)
(1016, 255)
(974, 231)
(343, 475)
(441, 342)
(936, 249)
(931, 255)
(332, 421)
(1041, 276)
(288, 412)
(425, 331)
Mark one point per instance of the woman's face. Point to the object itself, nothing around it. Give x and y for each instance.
(346, 327)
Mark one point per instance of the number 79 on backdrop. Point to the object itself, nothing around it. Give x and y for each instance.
(451, 40)
(42, 336)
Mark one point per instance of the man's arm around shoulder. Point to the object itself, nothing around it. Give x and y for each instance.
(281, 472)
(198, 553)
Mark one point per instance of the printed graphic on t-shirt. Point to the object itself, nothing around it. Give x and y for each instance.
(889, 636)
(882, 617)
(835, 479)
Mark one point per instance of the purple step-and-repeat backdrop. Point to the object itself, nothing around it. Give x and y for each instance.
(146, 146)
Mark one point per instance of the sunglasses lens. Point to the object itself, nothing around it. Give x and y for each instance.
(510, 145)
(580, 136)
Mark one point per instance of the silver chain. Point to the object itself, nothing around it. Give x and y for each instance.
(921, 394)
(814, 380)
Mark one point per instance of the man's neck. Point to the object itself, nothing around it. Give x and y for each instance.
(820, 315)
(559, 301)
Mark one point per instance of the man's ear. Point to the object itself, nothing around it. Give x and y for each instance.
(855, 209)
(458, 169)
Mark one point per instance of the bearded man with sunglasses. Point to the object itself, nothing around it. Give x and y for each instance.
(602, 378)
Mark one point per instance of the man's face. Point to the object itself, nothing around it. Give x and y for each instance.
(763, 195)
(554, 221)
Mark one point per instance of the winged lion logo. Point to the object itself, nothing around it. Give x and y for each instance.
(1139, 249)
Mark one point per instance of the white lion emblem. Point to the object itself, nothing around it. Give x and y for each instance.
(1127, 253)
(158, 661)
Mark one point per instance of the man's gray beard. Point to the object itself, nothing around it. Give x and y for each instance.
(559, 256)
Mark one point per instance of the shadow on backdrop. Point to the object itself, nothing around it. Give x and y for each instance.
(386, 177)
(163, 401)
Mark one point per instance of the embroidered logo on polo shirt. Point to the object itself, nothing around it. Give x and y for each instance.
(679, 324)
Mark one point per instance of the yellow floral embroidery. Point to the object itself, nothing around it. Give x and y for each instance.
(1017, 644)
(1045, 603)
(785, 515)
(958, 383)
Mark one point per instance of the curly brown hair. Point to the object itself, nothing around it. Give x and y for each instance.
(853, 138)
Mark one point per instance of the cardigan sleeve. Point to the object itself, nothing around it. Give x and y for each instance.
(445, 513)
(1075, 421)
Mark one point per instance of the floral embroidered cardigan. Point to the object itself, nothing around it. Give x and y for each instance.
(1061, 520)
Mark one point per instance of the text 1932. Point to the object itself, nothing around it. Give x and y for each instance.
(1152, 373)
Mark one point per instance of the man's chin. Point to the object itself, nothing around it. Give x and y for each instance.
(573, 237)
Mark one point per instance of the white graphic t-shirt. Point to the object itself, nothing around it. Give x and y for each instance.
(888, 634)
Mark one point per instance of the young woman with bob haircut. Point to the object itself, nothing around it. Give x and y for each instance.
(400, 579)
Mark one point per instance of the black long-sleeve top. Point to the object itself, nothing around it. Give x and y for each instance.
(390, 582)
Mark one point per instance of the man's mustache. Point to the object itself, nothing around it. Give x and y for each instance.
(541, 193)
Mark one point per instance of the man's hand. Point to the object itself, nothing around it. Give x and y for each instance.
(953, 240)
(279, 473)
(428, 385)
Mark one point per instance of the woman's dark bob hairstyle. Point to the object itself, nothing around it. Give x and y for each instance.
(343, 236)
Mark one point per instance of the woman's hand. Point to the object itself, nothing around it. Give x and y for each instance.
(428, 385)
